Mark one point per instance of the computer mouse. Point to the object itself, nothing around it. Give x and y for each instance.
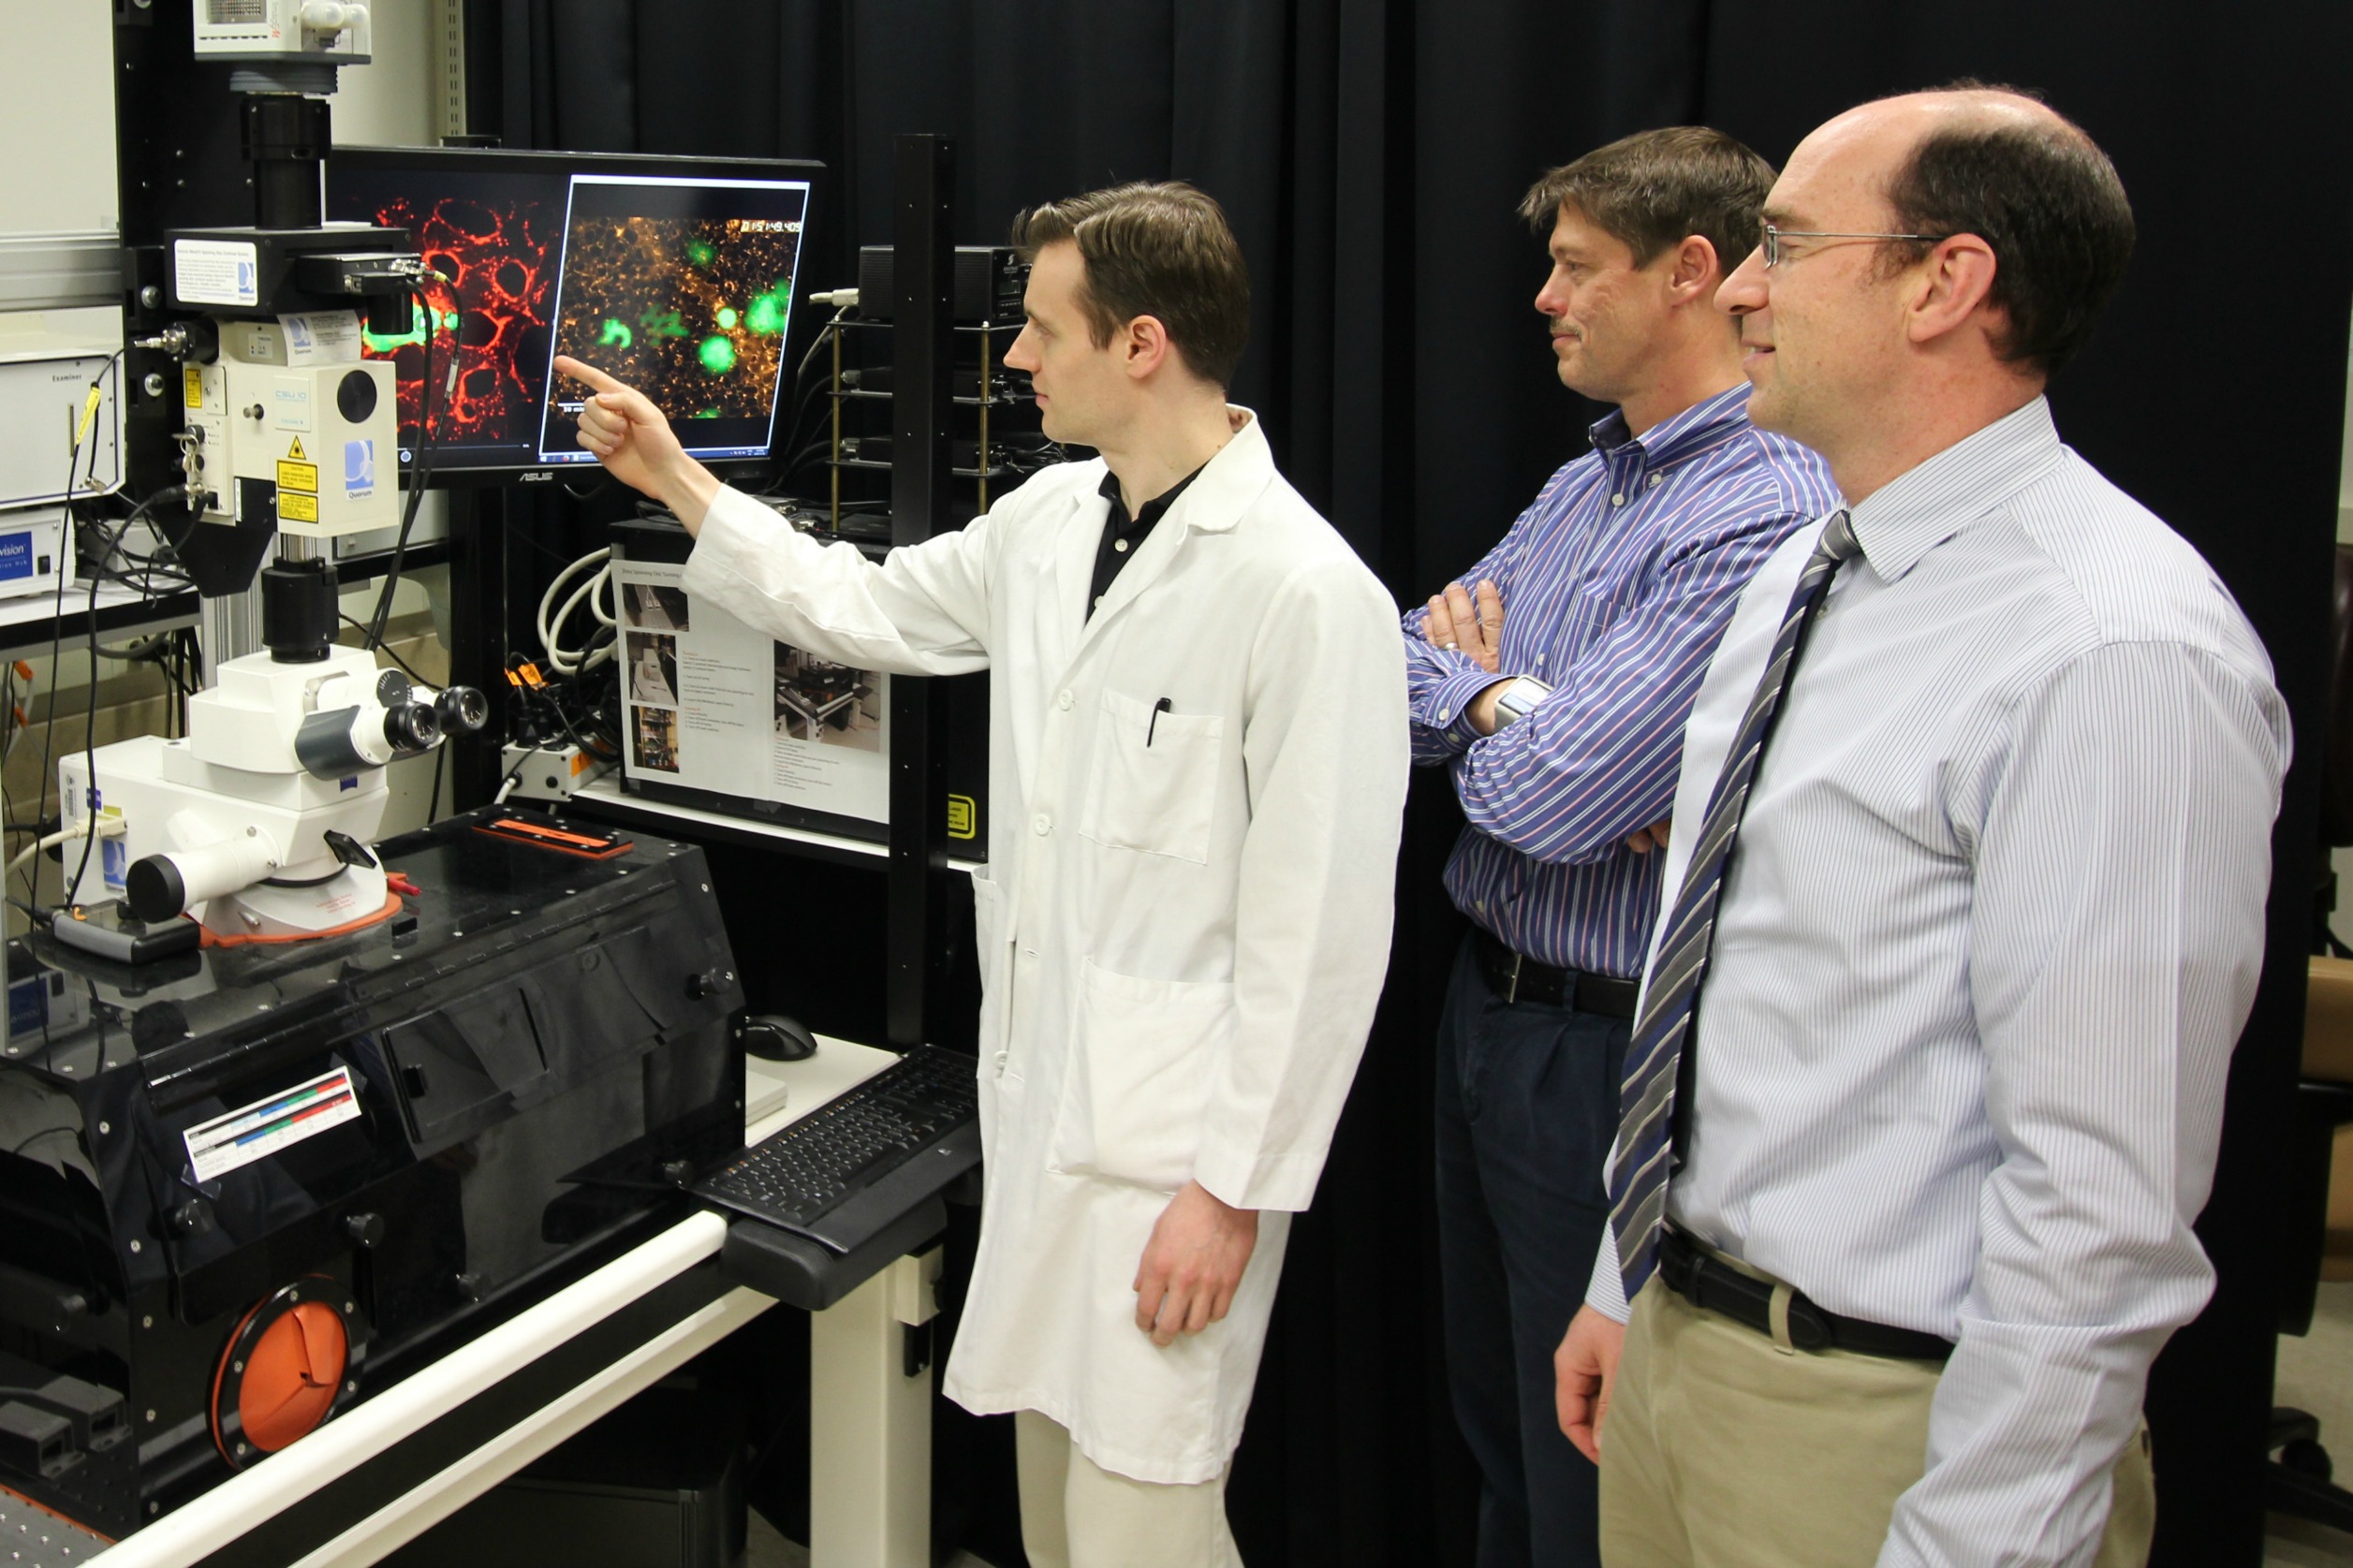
(773, 1037)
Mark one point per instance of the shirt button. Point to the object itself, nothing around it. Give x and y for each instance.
(1042, 824)
(1618, 500)
(1063, 701)
(1120, 545)
(1654, 478)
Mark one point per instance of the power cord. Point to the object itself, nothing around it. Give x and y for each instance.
(420, 472)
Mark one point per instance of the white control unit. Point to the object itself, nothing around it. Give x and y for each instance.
(290, 416)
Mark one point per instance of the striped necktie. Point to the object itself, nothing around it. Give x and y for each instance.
(1646, 1106)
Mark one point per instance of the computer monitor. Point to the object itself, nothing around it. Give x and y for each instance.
(676, 275)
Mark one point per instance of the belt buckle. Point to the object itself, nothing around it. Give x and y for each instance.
(1512, 985)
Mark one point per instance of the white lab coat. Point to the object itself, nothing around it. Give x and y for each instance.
(1184, 920)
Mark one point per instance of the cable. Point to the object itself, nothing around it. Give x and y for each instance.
(49, 841)
(420, 472)
(90, 718)
(57, 612)
(590, 654)
(406, 668)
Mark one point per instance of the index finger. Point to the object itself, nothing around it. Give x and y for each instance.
(567, 365)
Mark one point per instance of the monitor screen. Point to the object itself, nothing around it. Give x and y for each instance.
(676, 275)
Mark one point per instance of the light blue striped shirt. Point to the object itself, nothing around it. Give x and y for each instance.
(1616, 583)
(1991, 929)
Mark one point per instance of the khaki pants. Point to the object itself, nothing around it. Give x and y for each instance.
(1077, 1514)
(1722, 1451)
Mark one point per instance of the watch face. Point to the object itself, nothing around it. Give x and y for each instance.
(1522, 695)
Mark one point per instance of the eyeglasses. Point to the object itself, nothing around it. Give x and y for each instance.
(1774, 236)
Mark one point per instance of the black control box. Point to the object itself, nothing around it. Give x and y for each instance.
(989, 282)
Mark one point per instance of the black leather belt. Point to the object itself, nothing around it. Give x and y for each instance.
(1521, 979)
(1719, 1287)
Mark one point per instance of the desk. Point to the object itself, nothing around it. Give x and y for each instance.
(869, 1485)
(27, 625)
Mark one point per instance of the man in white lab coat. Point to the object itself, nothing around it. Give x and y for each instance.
(1198, 761)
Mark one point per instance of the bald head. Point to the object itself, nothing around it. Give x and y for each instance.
(2000, 164)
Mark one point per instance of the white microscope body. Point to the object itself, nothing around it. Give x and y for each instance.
(257, 823)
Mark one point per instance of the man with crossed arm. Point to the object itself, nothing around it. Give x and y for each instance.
(1561, 720)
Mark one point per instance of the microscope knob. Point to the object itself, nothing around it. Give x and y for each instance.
(192, 1218)
(705, 984)
(365, 1229)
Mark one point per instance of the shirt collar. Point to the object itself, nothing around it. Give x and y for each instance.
(1917, 510)
(1679, 435)
(1151, 511)
(1227, 484)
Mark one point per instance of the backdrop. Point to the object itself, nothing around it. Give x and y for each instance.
(1370, 152)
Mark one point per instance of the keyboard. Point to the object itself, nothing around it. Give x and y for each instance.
(864, 1158)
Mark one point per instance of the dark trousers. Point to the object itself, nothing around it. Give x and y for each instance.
(1527, 1103)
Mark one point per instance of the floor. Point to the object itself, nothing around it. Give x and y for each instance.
(2316, 1373)
(768, 1549)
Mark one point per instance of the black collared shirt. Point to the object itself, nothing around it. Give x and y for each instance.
(1123, 536)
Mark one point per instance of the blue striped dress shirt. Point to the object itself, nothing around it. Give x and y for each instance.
(1988, 932)
(1616, 584)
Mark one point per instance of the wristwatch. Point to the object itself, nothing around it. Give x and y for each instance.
(1518, 699)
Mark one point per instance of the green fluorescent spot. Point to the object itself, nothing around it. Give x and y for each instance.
(662, 324)
(728, 318)
(768, 315)
(614, 335)
(701, 252)
(717, 355)
(704, 414)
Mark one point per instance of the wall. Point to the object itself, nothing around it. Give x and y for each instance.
(57, 115)
(59, 99)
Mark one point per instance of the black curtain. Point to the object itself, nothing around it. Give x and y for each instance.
(1370, 153)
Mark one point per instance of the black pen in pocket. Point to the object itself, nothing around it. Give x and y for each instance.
(1163, 706)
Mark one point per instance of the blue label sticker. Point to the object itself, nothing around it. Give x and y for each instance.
(28, 1005)
(16, 556)
(349, 783)
(359, 468)
(115, 860)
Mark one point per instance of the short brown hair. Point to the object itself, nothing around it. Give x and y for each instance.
(1162, 250)
(1653, 189)
(2047, 200)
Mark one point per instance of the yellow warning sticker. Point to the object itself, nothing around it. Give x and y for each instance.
(295, 454)
(961, 815)
(293, 506)
(193, 388)
(299, 475)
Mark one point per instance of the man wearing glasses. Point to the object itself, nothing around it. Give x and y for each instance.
(1965, 912)
(1552, 681)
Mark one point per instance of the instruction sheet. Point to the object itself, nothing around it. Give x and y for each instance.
(712, 705)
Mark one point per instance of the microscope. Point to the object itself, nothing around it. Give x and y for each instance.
(257, 823)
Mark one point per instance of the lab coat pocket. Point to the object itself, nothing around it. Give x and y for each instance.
(1154, 779)
(1138, 1083)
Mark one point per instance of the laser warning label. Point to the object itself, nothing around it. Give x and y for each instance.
(268, 1126)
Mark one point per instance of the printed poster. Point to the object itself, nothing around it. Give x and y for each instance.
(712, 705)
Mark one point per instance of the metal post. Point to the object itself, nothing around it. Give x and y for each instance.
(921, 350)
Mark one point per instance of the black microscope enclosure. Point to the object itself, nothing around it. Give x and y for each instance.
(531, 1012)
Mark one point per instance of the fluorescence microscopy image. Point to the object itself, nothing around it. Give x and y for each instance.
(690, 311)
(501, 255)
